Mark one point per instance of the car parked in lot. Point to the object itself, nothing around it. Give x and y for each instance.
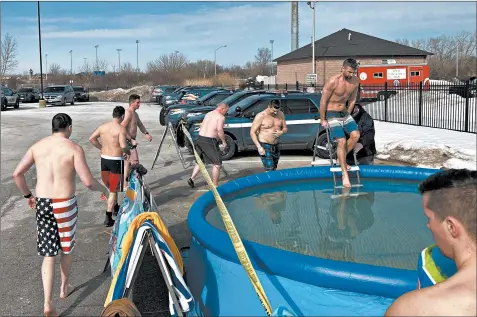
(173, 113)
(179, 92)
(59, 95)
(9, 98)
(467, 89)
(158, 91)
(301, 112)
(175, 98)
(81, 94)
(28, 94)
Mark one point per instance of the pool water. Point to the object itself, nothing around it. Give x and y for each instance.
(384, 227)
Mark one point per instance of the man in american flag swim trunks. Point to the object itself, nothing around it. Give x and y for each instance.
(57, 160)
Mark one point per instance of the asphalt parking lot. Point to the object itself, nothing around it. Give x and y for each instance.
(22, 292)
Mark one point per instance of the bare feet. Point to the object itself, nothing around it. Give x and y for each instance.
(66, 291)
(346, 182)
(50, 311)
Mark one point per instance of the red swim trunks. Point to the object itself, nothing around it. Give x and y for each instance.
(112, 172)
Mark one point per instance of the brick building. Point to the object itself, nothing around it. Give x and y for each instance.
(332, 50)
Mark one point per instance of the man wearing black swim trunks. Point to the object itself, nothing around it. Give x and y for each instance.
(207, 145)
(267, 128)
(113, 149)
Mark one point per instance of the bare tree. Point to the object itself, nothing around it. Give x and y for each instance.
(55, 69)
(168, 63)
(9, 61)
(263, 60)
(128, 68)
(103, 65)
(86, 73)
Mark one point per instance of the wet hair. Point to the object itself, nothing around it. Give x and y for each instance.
(274, 103)
(118, 112)
(453, 193)
(133, 98)
(60, 122)
(350, 62)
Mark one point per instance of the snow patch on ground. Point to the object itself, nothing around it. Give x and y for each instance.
(120, 94)
(425, 147)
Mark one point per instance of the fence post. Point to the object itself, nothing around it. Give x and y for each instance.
(261, 84)
(466, 113)
(276, 86)
(286, 86)
(420, 103)
(386, 101)
(297, 85)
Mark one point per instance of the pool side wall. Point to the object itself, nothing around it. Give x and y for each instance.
(303, 284)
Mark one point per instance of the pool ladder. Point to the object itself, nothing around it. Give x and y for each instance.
(336, 168)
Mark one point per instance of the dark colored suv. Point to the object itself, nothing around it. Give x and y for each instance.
(301, 114)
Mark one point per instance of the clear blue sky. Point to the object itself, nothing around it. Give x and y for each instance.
(197, 28)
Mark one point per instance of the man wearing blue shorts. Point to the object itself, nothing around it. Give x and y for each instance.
(267, 128)
(339, 90)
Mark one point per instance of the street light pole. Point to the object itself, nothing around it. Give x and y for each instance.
(46, 61)
(39, 43)
(119, 59)
(312, 6)
(271, 42)
(96, 47)
(137, 55)
(71, 62)
(215, 58)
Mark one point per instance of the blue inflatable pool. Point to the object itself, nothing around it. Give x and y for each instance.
(313, 255)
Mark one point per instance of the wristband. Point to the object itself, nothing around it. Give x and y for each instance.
(27, 196)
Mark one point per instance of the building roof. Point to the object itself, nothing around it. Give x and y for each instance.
(342, 44)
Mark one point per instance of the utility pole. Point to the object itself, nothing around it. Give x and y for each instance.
(312, 6)
(137, 56)
(96, 47)
(215, 58)
(46, 61)
(457, 61)
(271, 71)
(71, 62)
(119, 59)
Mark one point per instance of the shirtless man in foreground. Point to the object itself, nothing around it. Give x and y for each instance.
(337, 91)
(448, 200)
(131, 122)
(269, 125)
(207, 145)
(57, 161)
(113, 150)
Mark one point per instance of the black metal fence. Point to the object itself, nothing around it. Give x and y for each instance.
(432, 104)
(435, 105)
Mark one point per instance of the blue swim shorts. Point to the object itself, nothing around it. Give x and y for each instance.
(271, 157)
(340, 122)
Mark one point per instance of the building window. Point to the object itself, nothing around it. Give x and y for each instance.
(378, 75)
(414, 74)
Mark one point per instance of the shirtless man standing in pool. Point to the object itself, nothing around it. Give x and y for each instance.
(267, 128)
(57, 160)
(337, 91)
